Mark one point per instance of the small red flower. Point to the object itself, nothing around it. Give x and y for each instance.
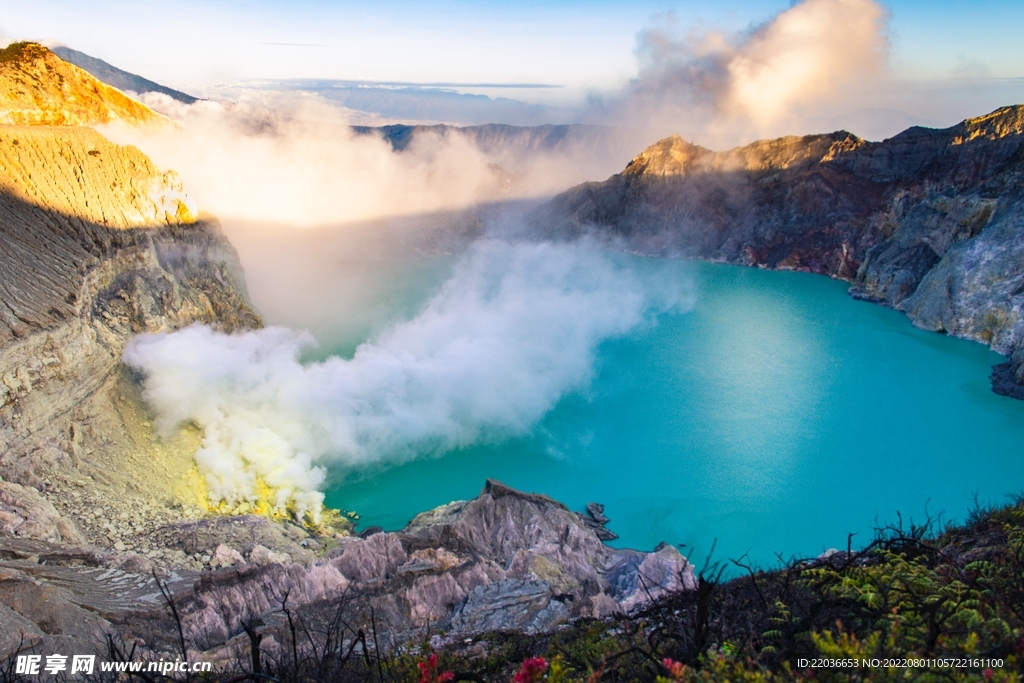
(988, 673)
(531, 671)
(675, 669)
(428, 671)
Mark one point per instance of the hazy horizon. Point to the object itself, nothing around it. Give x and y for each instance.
(719, 73)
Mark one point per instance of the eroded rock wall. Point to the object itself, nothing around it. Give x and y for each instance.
(97, 245)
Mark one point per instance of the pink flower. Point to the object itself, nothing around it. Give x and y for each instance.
(531, 671)
(428, 671)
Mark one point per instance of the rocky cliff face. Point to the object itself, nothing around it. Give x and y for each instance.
(39, 88)
(97, 245)
(930, 222)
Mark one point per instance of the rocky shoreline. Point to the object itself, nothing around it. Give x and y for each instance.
(927, 222)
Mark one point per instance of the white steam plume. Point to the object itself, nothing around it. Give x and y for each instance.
(514, 330)
(299, 163)
(809, 62)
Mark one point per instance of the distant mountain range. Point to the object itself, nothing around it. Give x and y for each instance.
(428, 102)
(590, 150)
(499, 137)
(118, 78)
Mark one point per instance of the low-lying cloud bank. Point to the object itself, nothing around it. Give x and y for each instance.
(299, 163)
(514, 330)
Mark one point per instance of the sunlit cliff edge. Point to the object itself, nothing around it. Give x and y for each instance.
(928, 222)
(98, 244)
(39, 88)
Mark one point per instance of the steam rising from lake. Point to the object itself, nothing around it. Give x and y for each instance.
(516, 327)
(513, 331)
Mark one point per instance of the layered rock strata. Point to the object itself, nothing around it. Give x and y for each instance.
(930, 222)
(97, 245)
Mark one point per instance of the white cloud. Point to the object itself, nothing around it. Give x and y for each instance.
(816, 59)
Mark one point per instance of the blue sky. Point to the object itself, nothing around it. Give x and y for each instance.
(573, 43)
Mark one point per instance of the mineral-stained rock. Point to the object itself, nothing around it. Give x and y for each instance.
(506, 559)
(928, 222)
(241, 533)
(509, 604)
(372, 559)
(596, 512)
(645, 577)
(226, 556)
(262, 555)
(23, 512)
(47, 611)
(16, 630)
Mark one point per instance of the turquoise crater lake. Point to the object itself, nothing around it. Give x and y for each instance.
(776, 416)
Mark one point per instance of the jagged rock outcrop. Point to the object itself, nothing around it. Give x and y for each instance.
(504, 560)
(39, 88)
(930, 221)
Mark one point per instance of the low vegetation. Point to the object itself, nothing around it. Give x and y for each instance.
(19, 52)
